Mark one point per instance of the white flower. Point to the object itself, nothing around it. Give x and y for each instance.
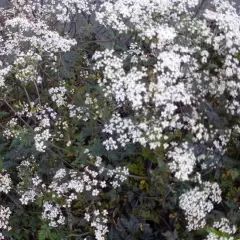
(53, 214)
(197, 203)
(5, 213)
(5, 182)
(224, 226)
(183, 161)
(58, 95)
(95, 192)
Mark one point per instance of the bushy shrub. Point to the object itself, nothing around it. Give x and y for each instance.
(119, 119)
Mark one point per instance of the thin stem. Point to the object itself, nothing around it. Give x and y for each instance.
(138, 177)
(29, 100)
(16, 113)
(79, 235)
(35, 84)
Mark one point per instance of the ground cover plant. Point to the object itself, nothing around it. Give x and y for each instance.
(119, 120)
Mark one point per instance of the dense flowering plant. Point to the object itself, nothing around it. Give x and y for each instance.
(119, 119)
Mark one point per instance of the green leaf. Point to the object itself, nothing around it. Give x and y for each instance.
(235, 173)
(3, 114)
(44, 233)
(1, 163)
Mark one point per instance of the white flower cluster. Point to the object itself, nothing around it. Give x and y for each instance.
(26, 67)
(5, 213)
(184, 81)
(44, 117)
(3, 73)
(221, 143)
(41, 37)
(28, 38)
(214, 236)
(81, 113)
(93, 107)
(58, 95)
(60, 130)
(183, 161)
(99, 222)
(52, 212)
(67, 186)
(224, 226)
(120, 175)
(198, 202)
(40, 139)
(5, 182)
(65, 10)
(13, 130)
(2, 236)
(169, 96)
(29, 188)
(28, 196)
(139, 15)
(133, 89)
(123, 86)
(125, 130)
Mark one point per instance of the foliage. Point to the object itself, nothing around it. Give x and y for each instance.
(119, 120)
